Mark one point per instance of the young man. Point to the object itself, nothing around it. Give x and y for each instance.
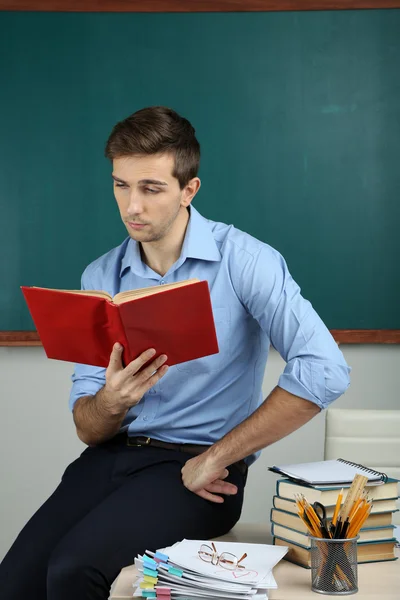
(168, 448)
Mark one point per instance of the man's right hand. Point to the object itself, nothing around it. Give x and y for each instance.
(125, 387)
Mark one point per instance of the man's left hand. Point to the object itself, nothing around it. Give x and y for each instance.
(202, 476)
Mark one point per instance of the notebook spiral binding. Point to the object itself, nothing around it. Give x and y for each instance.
(382, 476)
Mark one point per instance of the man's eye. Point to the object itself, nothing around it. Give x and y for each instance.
(121, 185)
(147, 189)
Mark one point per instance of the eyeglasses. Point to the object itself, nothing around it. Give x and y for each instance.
(226, 559)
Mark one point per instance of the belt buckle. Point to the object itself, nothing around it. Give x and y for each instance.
(139, 442)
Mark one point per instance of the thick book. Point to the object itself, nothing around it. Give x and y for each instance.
(366, 553)
(379, 507)
(329, 472)
(376, 534)
(82, 325)
(286, 488)
(293, 521)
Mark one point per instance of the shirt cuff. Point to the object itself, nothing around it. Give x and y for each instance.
(320, 383)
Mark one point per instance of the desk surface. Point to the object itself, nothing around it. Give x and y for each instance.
(375, 580)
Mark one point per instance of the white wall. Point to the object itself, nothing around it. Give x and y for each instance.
(37, 437)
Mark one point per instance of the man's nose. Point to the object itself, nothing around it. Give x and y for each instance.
(135, 206)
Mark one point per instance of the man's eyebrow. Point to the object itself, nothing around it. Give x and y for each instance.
(153, 182)
(117, 178)
(143, 181)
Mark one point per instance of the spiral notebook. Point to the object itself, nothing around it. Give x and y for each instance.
(329, 473)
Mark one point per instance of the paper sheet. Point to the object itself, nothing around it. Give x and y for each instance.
(260, 560)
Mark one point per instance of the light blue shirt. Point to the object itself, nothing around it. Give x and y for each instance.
(255, 303)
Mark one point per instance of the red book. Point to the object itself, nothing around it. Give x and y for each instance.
(82, 325)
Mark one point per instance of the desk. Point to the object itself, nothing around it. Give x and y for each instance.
(376, 581)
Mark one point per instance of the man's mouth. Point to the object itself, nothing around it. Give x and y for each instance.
(135, 225)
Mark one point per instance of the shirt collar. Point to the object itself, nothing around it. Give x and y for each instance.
(199, 243)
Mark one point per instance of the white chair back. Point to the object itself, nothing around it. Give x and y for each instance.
(366, 437)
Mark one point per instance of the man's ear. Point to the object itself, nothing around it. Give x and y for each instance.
(189, 191)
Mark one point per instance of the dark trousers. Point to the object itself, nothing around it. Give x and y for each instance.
(113, 503)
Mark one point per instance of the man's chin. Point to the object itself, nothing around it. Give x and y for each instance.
(142, 236)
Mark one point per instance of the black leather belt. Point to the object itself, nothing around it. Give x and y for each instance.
(189, 448)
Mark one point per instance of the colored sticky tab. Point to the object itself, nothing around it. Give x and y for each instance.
(176, 572)
(150, 579)
(149, 560)
(150, 572)
(163, 592)
(149, 594)
(163, 565)
(146, 585)
(162, 557)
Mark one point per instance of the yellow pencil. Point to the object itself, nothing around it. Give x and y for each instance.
(363, 519)
(356, 506)
(337, 507)
(311, 524)
(358, 522)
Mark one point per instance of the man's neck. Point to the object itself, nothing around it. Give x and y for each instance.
(161, 255)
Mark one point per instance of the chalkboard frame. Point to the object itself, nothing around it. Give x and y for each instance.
(193, 5)
(344, 336)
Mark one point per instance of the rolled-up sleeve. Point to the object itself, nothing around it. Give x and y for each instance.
(86, 380)
(316, 369)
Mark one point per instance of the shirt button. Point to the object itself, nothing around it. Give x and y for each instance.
(162, 282)
(145, 418)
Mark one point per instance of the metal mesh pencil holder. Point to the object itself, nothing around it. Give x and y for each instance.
(334, 566)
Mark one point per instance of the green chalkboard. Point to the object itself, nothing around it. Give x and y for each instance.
(297, 113)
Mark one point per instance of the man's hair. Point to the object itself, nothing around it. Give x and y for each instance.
(157, 130)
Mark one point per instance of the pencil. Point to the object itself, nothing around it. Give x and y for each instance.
(355, 508)
(357, 523)
(308, 520)
(359, 517)
(337, 507)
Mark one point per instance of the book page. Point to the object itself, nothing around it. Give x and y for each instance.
(95, 293)
(122, 297)
(326, 472)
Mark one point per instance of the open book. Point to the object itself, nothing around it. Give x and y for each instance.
(82, 325)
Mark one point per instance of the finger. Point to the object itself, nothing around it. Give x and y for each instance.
(115, 363)
(224, 474)
(222, 487)
(156, 377)
(138, 363)
(149, 371)
(208, 496)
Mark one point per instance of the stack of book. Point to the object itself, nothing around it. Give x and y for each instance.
(376, 538)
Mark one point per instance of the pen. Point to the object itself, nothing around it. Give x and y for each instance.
(344, 528)
(338, 529)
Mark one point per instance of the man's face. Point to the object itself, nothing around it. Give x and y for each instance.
(148, 196)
